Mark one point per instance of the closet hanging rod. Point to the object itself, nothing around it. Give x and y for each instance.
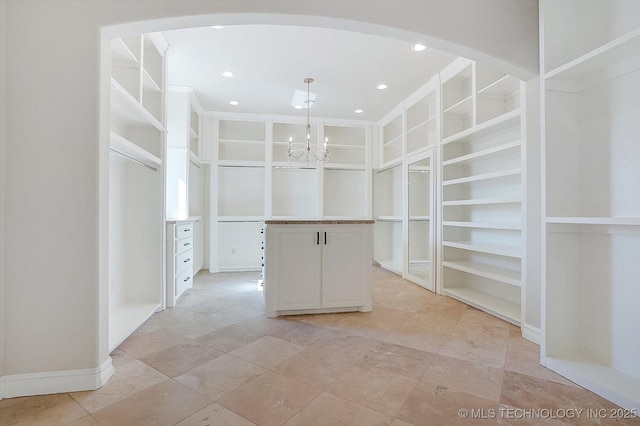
(133, 159)
(197, 165)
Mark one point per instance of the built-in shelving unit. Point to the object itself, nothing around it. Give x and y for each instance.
(256, 179)
(136, 211)
(388, 212)
(591, 108)
(481, 214)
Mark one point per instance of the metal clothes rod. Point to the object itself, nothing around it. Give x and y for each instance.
(198, 166)
(133, 160)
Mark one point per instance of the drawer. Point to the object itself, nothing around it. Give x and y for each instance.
(184, 230)
(183, 245)
(184, 260)
(183, 282)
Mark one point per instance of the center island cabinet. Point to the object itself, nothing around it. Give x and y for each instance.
(317, 266)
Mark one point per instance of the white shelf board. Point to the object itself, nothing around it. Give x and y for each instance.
(345, 166)
(121, 55)
(501, 149)
(484, 176)
(130, 149)
(419, 218)
(462, 108)
(493, 305)
(390, 265)
(395, 141)
(495, 125)
(429, 123)
(604, 380)
(302, 165)
(345, 147)
(495, 273)
(598, 60)
(498, 249)
(245, 142)
(241, 163)
(128, 109)
(503, 87)
(481, 201)
(241, 219)
(126, 318)
(389, 218)
(578, 220)
(484, 225)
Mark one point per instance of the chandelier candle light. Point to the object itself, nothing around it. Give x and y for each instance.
(322, 156)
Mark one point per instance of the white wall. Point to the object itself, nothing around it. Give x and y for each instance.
(56, 178)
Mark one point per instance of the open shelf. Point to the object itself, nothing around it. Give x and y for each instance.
(133, 151)
(504, 149)
(481, 177)
(483, 225)
(496, 273)
(499, 249)
(496, 306)
(482, 201)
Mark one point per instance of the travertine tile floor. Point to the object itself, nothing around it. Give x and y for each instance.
(417, 358)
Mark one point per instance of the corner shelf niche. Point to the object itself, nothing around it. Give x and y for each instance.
(592, 203)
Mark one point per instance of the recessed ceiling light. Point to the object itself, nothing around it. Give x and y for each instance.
(297, 106)
(227, 73)
(418, 47)
(234, 103)
(381, 86)
(358, 111)
(217, 27)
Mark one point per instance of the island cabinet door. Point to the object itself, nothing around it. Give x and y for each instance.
(298, 268)
(343, 270)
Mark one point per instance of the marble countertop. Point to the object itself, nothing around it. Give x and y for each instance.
(319, 222)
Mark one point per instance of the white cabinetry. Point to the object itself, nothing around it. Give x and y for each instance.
(315, 266)
(136, 211)
(180, 259)
(256, 180)
(592, 170)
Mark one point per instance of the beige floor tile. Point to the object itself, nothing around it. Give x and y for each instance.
(140, 345)
(269, 399)
(215, 415)
(234, 315)
(432, 404)
(373, 387)
(423, 339)
(399, 359)
(230, 338)
(177, 359)
(308, 334)
(428, 322)
(398, 422)
(328, 409)
(119, 357)
(476, 350)
(268, 351)
(511, 416)
(45, 410)
(186, 323)
(163, 404)
(84, 421)
(219, 376)
(127, 379)
(465, 376)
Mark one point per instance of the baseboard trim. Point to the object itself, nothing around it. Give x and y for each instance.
(49, 382)
(532, 334)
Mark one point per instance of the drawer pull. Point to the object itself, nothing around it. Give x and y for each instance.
(186, 244)
(186, 279)
(186, 260)
(186, 230)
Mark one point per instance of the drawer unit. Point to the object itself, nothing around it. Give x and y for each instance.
(179, 259)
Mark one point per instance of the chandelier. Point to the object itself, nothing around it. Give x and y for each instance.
(308, 152)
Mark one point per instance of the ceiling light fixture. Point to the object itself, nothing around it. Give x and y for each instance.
(324, 154)
(381, 86)
(217, 27)
(418, 47)
(227, 73)
(358, 111)
(234, 103)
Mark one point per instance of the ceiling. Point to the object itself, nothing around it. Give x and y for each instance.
(270, 62)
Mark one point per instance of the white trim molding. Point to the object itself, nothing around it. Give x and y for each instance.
(50, 382)
(531, 333)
